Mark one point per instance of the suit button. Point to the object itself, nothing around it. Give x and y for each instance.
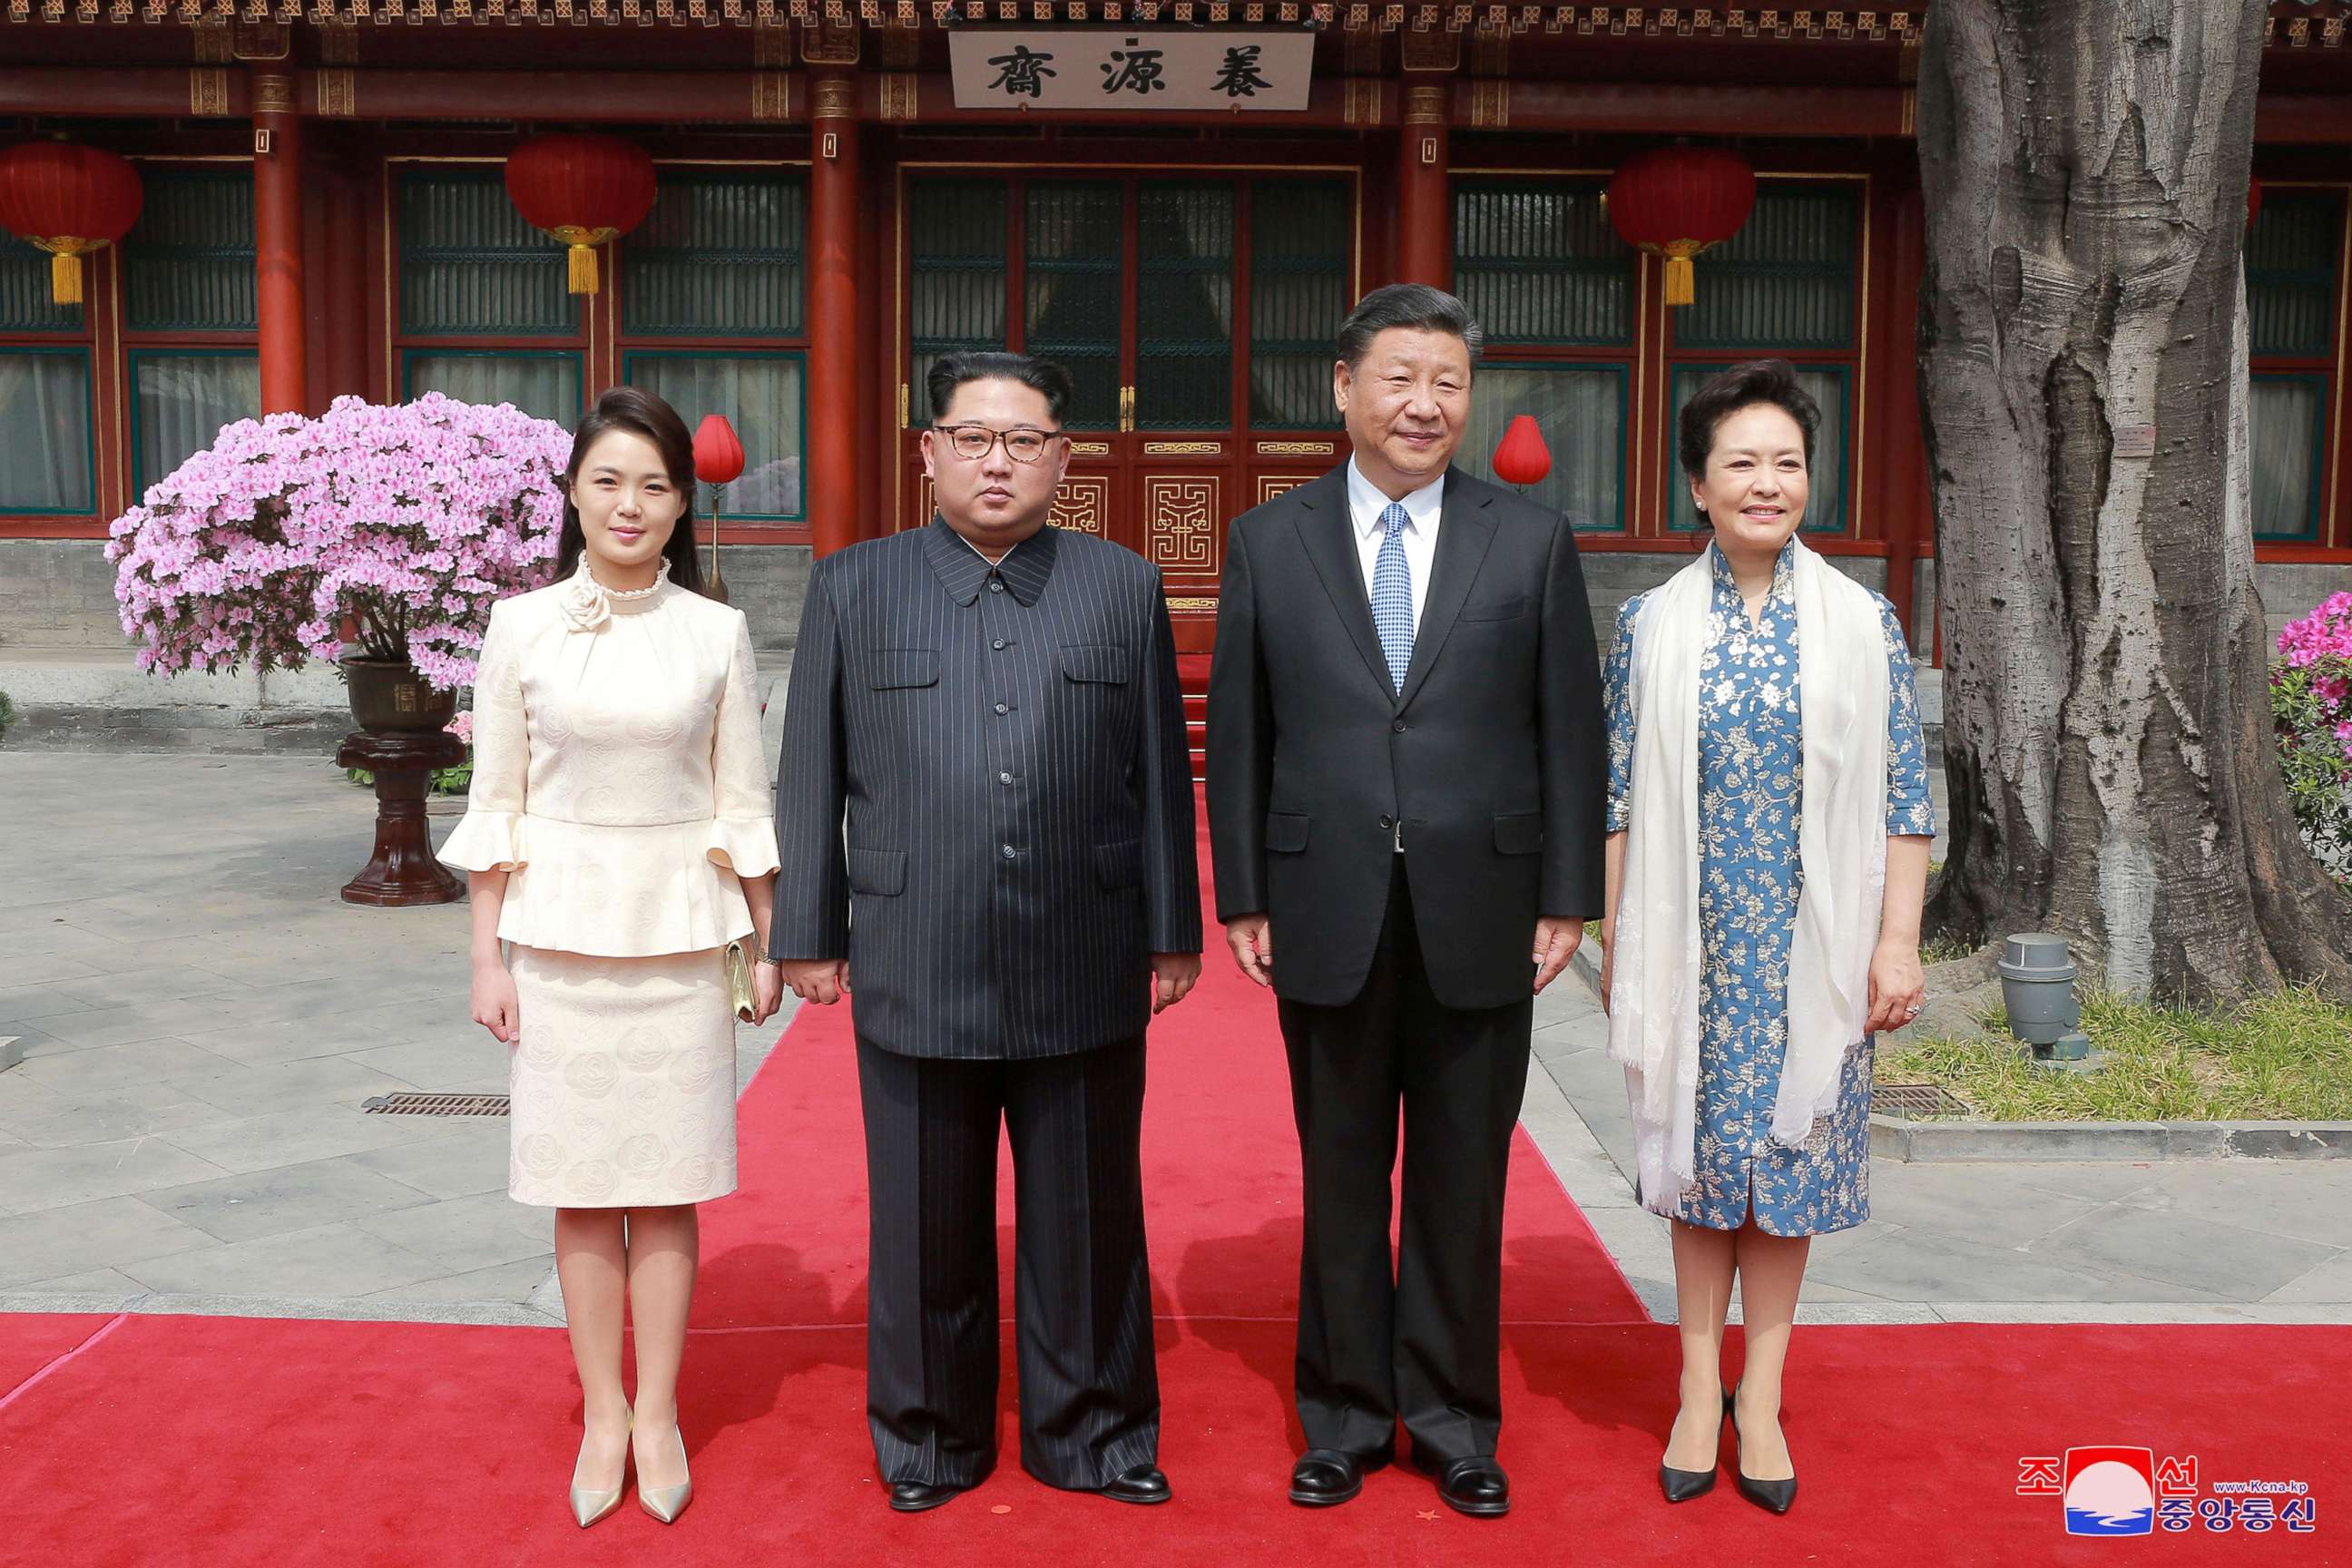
(1388, 822)
(1010, 852)
(994, 586)
(1001, 707)
(1398, 726)
(1004, 778)
(998, 645)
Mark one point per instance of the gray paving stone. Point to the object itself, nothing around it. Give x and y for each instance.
(35, 1179)
(133, 1022)
(109, 1234)
(470, 1233)
(329, 1260)
(38, 1001)
(287, 1198)
(134, 1111)
(471, 1158)
(2302, 1200)
(474, 1064)
(1996, 1207)
(292, 1137)
(23, 968)
(99, 1068)
(1904, 1266)
(170, 982)
(245, 1091)
(514, 1281)
(2329, 1282)
(95, 1282)
(285, 1040)
(2225, 1261)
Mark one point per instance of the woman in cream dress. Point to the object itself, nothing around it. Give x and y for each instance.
(618, 835)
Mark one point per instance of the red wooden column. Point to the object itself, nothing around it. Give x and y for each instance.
(1424, 200)
(278, 241)
(832, 406)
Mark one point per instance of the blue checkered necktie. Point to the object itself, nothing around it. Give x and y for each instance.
(1392, 594)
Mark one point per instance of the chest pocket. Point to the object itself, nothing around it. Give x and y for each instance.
(892, 669)
(1095, 663)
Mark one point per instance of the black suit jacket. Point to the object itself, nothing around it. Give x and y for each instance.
(1494, 755)
(1008, 748)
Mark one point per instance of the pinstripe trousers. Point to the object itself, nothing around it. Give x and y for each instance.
(1089, 1377)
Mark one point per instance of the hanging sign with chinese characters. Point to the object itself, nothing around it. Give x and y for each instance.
(1109, 67)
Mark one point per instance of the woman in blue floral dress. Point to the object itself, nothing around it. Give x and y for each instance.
(1751, 1201)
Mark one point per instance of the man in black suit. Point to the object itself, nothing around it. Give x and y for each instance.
(1406, 772)
(993, 703)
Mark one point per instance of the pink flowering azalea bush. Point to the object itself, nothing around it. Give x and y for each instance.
(405, 522)
(2311, 701)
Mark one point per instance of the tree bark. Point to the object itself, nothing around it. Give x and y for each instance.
(2082, 374)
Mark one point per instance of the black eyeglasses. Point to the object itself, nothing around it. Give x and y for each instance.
(974, 442)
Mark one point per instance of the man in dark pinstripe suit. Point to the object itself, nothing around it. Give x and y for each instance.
(993, 702)
(1406, 768)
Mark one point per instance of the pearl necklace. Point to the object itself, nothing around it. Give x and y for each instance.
(661, 577)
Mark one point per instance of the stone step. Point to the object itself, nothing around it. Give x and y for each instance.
(99, 699)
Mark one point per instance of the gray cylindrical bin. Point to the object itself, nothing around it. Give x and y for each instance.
(2037, 984)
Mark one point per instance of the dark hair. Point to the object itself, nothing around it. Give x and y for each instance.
(1406, 305)
(1039, 376)
(639, 412)
(1744, 386)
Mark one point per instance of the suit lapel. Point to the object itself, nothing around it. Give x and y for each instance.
(1464, 531)
(1328, 534)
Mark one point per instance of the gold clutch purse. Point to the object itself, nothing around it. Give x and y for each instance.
(737, 962)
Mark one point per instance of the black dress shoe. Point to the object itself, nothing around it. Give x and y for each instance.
(1476, 1485)
(914, 1497)
(1143, 1484)
(1324, 1477)
(1777, 1497)
(1682, 1486)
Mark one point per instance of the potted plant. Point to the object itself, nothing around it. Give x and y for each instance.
(394, 527)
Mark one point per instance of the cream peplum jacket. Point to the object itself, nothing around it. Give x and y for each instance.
(618, 770)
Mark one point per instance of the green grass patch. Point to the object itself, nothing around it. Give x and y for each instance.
(2282, 1058)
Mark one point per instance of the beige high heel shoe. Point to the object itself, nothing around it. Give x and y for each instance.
(589, 1505)
(665, 1503)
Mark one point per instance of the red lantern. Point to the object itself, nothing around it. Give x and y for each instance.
(70, 200)
(718, 455)
(584, 190)
(1522, 458)
(1676, 201)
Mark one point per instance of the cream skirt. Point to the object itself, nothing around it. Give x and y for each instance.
(623, 1083)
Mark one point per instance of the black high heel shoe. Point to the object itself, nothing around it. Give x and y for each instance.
(1682, 1486)
(1776, 1497)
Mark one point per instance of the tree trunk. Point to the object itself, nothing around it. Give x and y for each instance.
(2083, 371)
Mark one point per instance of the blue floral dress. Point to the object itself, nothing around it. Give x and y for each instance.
(1751, 757)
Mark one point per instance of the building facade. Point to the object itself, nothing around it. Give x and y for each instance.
(845, 193)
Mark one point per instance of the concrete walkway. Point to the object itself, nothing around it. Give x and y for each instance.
(201, 1016)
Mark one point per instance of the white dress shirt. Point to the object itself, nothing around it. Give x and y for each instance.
(1422, 509)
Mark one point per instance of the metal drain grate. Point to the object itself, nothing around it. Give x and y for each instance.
(435, 1105)
(1917, 1102)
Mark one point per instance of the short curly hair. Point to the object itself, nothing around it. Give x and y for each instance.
(1744, 386)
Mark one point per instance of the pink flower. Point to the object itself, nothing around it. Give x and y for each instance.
(462, 726)
(260, 548)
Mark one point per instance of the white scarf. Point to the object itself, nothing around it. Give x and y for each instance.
(1654, 1025)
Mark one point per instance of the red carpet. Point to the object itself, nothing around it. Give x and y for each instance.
(231, 1441)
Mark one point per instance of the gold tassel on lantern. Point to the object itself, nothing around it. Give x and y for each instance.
(583, 242)
(1682, 278)
(65, 268)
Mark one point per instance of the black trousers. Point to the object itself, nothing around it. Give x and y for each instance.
(1421, 1342)
(1089, 1380)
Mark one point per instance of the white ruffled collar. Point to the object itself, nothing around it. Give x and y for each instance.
(589, 605)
